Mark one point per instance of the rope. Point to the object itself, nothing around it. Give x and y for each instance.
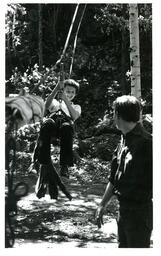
(63, 53)
(75, 40)
(68, 36)
(61, 79)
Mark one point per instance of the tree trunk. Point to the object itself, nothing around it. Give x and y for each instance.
(40, 53)
(55, 16)
(123, 63)
(134, 51)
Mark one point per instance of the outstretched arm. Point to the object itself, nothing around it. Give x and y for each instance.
(101, 208)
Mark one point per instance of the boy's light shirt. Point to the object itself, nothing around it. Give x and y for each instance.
(56, 105)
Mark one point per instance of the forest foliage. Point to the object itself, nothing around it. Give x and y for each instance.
(101, 60)
(35, 38)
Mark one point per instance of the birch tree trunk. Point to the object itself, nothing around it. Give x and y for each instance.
(123, 68)
(134, 51)
(40, 53)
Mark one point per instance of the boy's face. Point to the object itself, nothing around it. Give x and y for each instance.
(70, 92)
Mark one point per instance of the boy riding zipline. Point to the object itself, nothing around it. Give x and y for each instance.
(60, 124)
(62, 113)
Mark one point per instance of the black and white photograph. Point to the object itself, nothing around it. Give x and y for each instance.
(78, 135)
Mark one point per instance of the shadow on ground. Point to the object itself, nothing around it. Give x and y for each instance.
(48, 223)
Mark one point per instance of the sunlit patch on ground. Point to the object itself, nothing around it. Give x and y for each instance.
(65, 223)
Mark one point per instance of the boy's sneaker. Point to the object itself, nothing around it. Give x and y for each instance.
(64, 172)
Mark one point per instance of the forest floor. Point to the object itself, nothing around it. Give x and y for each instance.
(54, 223)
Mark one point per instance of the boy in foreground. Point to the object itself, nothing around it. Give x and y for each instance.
(131, 177)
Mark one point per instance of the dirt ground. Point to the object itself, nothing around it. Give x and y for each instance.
(54, 223)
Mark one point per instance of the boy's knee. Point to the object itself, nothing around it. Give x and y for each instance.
(47, 128)
(47, 124)
(66, 128)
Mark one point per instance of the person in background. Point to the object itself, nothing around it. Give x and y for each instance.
(131, 177)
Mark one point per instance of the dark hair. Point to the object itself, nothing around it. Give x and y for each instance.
(73, 83)
(128, 108)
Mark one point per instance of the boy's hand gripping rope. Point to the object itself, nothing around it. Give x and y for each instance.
(61, 77)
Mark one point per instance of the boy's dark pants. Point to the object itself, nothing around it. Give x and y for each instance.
(135, 227)
(49, 178)
(57, 128)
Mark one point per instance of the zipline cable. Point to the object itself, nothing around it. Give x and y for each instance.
(75, 41)
(65, 46)
(68, 36)
(64, 50)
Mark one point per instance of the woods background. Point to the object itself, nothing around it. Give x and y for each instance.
(35, 38)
